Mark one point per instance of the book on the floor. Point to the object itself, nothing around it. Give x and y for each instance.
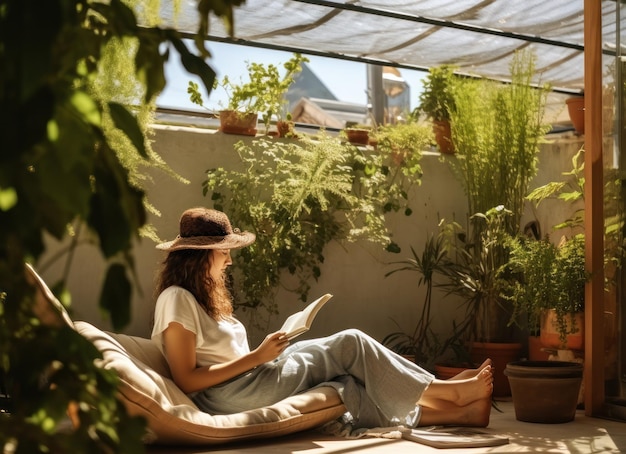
(454, 437)
(301, 321)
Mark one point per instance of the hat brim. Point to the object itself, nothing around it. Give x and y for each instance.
(231, 241)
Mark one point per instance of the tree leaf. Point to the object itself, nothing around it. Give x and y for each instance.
(126, 121)
(116, 206)
(87, 107)
(115, 296)
(194, 64)
(8, 198)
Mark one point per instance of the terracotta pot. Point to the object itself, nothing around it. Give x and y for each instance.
(576, 109)
(535, 352)
(444, 372)
(545, 392)
(242, 123)
(550, 335)
(358, 136)
(501, 353)
(443, 136)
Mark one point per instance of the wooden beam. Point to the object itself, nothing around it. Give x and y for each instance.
(594, 212)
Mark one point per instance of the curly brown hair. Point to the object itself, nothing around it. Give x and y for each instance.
(189, 269)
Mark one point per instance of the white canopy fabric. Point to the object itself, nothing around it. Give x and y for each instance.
(478, 36)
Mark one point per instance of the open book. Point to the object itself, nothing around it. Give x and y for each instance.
(454, 437)
(300, 322)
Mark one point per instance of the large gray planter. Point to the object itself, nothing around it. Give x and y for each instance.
(544, 391)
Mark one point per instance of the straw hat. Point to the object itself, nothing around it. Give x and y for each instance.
(202, 228)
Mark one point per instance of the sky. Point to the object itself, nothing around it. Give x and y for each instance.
(345, 79)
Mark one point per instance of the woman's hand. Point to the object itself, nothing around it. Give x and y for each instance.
(272, 346)
(180, 351)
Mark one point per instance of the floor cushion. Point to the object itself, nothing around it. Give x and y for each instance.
(146, 388)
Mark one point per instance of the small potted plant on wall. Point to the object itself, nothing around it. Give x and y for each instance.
(437, 101)
(263, 93)
(402, 141)
(356, 133)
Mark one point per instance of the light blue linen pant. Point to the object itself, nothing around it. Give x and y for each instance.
(378, 387)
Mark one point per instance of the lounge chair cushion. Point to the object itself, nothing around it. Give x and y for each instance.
(146, 389)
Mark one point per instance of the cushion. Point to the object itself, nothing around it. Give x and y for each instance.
(146, 388)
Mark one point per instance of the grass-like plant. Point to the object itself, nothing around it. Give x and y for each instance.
(497, 130)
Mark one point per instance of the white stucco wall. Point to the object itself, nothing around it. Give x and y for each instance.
(354, 273)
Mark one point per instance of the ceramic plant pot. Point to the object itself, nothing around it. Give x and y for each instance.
(576, 110)
(444, 372)
(443, 136)
(501, 353)
(535, 349)
(550, 337)
(357, 136)
(242, 123)
(545, 392)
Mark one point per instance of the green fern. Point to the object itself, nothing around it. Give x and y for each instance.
(298, 196)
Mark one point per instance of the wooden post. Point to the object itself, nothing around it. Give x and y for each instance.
(594, 211)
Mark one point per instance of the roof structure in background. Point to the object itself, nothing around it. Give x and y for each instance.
(478, 36)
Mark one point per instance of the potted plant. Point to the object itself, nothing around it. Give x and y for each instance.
(571, 190)
(476, 271)
(357, 133)
(263, 93)
(550, 290)
(497, 130)
(566, 316)
(421, 343)
(437, 102)
(402, 141)
(531, 261)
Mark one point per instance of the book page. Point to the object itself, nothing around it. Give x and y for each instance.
(301, 321)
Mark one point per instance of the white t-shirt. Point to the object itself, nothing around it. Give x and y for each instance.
(216, 342)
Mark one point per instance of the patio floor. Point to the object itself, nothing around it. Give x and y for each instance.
(584, 435)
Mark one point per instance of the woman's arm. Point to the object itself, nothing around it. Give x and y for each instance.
(180, 352)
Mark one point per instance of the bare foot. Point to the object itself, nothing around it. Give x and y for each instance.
(461, 392)
(469, 373)
(476, 414)
(476, 388)
(443, 412)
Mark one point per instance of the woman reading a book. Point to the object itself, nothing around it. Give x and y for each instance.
(210, 359)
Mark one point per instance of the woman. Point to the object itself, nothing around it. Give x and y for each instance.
(209, 357)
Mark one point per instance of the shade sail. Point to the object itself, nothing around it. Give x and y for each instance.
(478, 36)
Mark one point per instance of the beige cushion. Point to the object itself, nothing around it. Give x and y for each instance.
(147, 390)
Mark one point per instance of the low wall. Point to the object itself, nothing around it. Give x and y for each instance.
(354, 273)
